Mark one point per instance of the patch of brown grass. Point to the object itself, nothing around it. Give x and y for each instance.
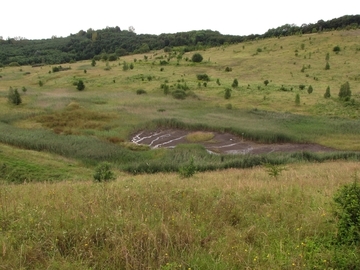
(199, 136)
(75, 117)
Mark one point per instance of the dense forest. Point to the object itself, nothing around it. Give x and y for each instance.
(112, 42)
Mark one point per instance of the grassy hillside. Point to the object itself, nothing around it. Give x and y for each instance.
(218, 219)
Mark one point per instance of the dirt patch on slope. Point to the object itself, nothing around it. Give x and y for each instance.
(223, 143)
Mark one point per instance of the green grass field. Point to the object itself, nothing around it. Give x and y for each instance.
(231, 214)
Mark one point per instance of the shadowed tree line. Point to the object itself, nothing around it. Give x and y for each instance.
(112, 42)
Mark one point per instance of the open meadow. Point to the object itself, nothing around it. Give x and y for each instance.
(266, 211)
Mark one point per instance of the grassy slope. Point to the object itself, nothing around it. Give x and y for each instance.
(230, 219)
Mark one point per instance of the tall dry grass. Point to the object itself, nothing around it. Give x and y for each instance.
(234, 219)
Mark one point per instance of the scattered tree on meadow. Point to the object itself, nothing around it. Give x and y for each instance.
(266, 82)
(197, 58)
(235, 83)
(80, 85)
(336, 49)
(227, 94)
(345, 92)
(327, 66)
(327, 92)
(93, 63)
(14, 96)
(310, 89)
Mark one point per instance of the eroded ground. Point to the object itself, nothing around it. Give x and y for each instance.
(224, 143)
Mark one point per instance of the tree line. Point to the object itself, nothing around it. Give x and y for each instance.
(114, 42)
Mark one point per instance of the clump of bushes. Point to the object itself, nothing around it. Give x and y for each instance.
(203, 77)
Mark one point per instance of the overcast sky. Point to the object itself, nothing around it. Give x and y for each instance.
(38, 19)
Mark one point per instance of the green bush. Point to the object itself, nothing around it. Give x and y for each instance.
(203, 77)
(140, 92)
(197, 58)
(345, 92)
(14, 96)
(297, 99)
(327, 92)
(310, 89)
(235, 83)
(103, 172)
(188, 170)
(336, 49)
(348, 213)
(80, 85)
(301, 86)
(228, 69)
(227, 93)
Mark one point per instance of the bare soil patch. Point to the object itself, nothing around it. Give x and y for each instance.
(222, 143)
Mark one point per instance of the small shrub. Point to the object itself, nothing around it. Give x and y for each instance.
(203, 77)
(327, 93)
(140, 92)
(274, 170)
(80, 85)
(301, 86)
(235, 83)
(93, 63)
(125, 66)
(310, 89)
(227, 94)
(228, 69)
(266, 82)
(345, 92)
(336, 49)
(188, 170)
(348, 213)
(103, 172)
(197, 58)
(24, 89)
(14, 96)
(41, 83)
(218, 82)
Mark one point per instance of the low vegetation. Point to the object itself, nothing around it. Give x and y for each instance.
(77, 193)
